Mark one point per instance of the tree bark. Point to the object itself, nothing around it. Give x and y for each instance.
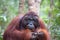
(21, 6)
(50, 16)
(34, 5)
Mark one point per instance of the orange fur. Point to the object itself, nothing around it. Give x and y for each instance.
(14, 33)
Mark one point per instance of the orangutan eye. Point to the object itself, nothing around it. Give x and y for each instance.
(36, 17)
(26, 16)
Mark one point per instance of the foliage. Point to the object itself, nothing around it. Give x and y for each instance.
(54, 20)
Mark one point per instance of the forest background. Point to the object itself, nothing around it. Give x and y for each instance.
(49, 12)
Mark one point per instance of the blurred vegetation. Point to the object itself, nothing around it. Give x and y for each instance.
(9, 9)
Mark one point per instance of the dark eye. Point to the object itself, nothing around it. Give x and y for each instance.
(36, 17)
(26, 16)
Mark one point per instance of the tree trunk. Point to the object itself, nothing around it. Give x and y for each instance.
(21, 6)
(34, 5)
(37, 4)
(50, 16)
